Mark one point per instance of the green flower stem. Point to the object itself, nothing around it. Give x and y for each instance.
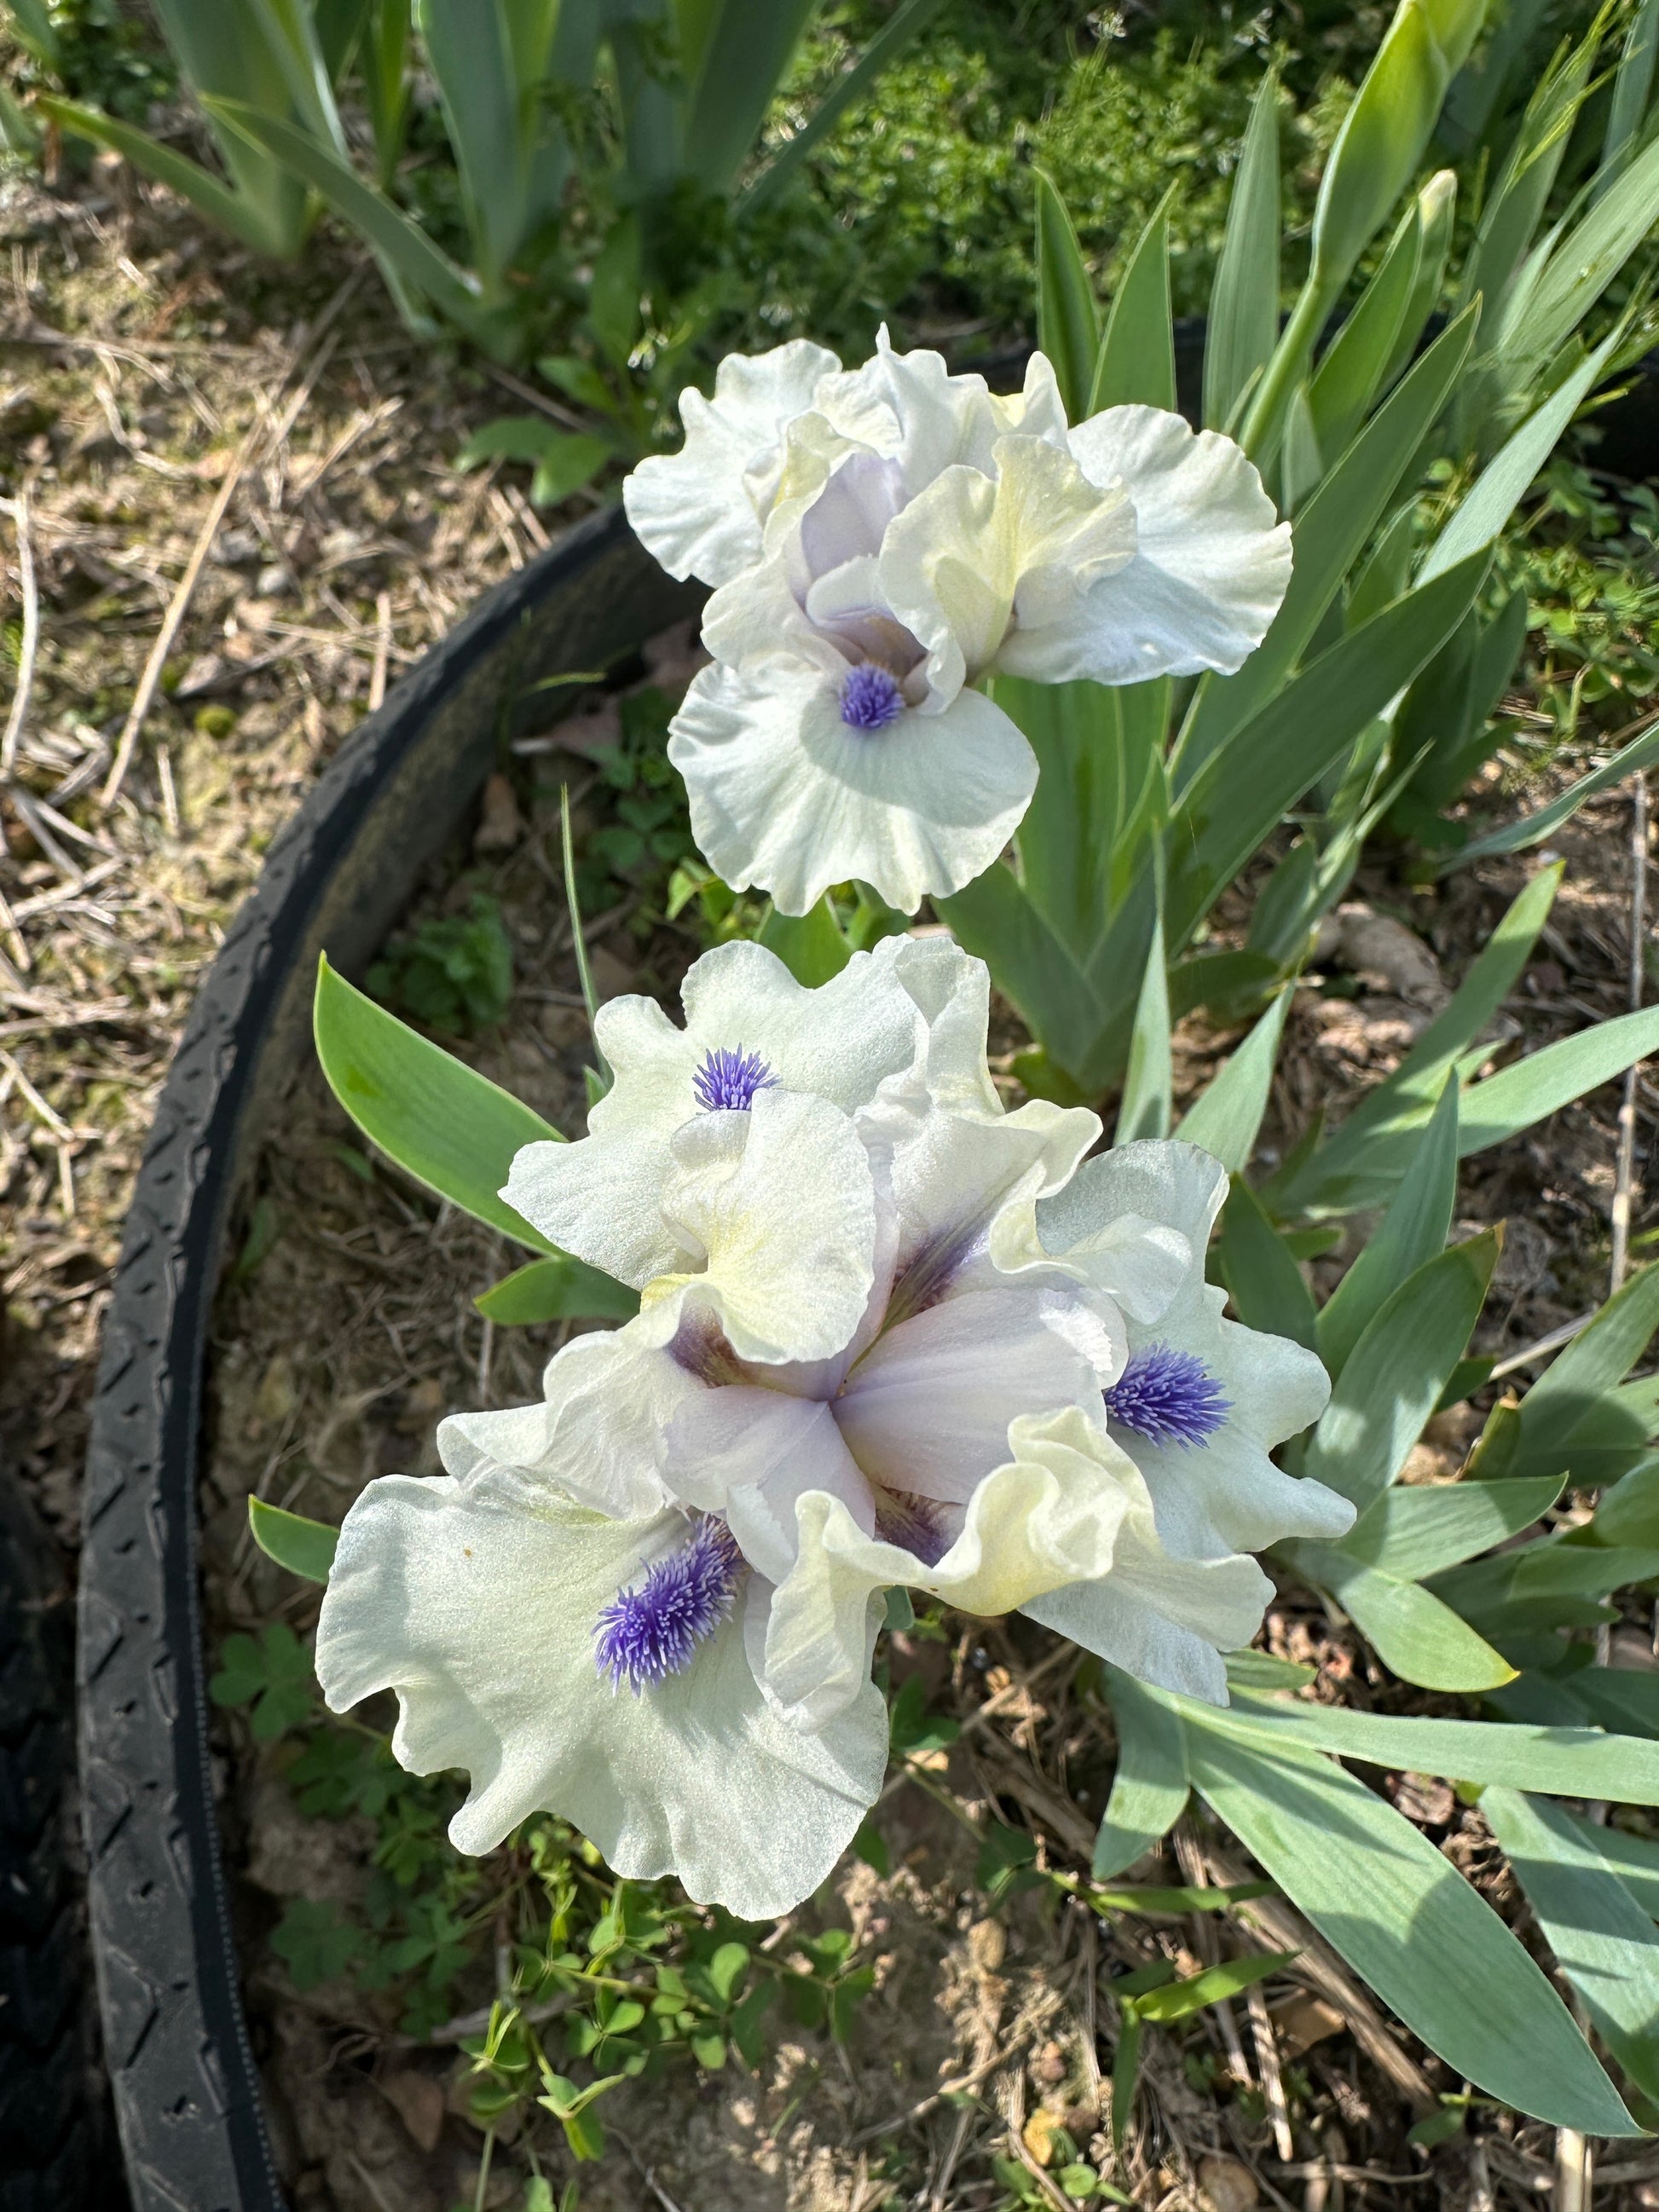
(1290, 357)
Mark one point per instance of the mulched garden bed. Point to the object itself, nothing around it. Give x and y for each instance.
(345, 1331)
(135, 355)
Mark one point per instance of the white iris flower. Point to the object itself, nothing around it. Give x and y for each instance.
(883, 539)
(889, 1335)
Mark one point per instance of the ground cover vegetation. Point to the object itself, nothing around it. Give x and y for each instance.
(914, 1903)
(427, 1923)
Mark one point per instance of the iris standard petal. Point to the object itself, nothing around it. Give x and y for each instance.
(928, 1408)
(701, 511)
(1210, 567)
(974, 554)
(780, 1202)
(1035, 410)
(699, 1235)
(909, 407)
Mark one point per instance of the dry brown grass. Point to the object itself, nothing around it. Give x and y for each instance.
(147, 371)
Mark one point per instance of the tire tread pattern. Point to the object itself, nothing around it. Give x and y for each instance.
(54, 2145)
(186, 2086)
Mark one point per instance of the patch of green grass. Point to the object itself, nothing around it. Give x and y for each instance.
(616, 1979)
(112, 57)
(919, 206)
(1587, 555)
(454, 971)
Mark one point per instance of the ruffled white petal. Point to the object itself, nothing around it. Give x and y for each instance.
(701, 511)
(1211, 562)
(1163, 1618)
(779, 1204)
(653, 1059)
(974, 555)
(1138, 1266)
(1277, 1387)
(1049, 1517)
(813, 450)
(477, 1605)
(1228, 1495)
(786, 796)
(607, 1399)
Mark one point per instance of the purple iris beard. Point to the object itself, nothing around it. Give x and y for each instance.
(870, 698)
(914, 1524)
(1168, 1397)
(728, 1079)
(652, 1630)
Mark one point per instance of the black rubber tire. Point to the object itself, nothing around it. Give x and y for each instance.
(186, 2084)
(56, 2141)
